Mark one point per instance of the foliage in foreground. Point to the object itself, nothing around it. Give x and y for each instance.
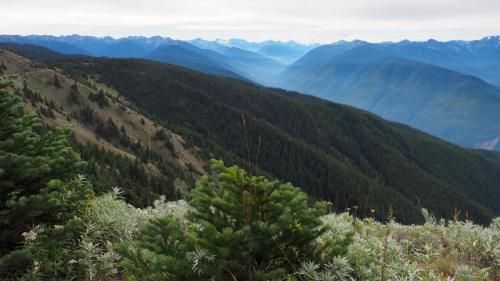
(238, 227)
(38, 186)
(348, 248)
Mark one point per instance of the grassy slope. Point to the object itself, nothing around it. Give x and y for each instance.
(38, 79)
(189, 56)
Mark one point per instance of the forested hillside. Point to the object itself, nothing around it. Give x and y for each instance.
(334, 152)
(460, 108)
(194, 58)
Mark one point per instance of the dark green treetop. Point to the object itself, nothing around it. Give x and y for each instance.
(37, 168)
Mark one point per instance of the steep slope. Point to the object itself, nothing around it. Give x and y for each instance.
(111, 136)
(131, 46)
(32, 51)
(487, 52)
(457, 107)
(305, 68)
(50, 42)
(479, 58)
(257, 67)
(332, 151)
(124, 48)
(490, 155)
(195, 59)
(155, 48)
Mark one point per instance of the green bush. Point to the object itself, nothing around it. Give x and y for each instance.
(50, 250)
(39, 203)
(160, 254)
(238, 227)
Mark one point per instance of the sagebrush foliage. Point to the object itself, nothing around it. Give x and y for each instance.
(347, 248)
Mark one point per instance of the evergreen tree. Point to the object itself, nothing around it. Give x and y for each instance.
(2, 67)
(238, 227)
(36, 168)
(170, 146)
(124, 138)
(43, 111)
(74, 94)
(87, 115)
(161, 135)
(50, 113)
(51, 104)
(123, 131)
(256, 229)
(56, 82)
(99, 98)
(114, 132)
(166, 138)
(160, 255)
(27, 93)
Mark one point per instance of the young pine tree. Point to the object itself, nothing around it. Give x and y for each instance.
(74, 94)
(36, 188)
(160, 254)
(239, 227)
(56, 82)
(2, 67)
(254, 228)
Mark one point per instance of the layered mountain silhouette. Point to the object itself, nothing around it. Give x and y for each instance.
(398, 82)
(284, 52)
(448, 89)
(207, 56)
(253, 65)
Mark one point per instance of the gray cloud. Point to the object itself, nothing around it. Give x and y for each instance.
(307, 21)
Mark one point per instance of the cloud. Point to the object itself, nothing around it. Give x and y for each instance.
(308, 21)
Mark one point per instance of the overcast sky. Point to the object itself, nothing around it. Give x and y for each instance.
(300, 20)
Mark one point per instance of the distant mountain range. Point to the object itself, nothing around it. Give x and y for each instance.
(284, 52)
(254, 65)
(240, 59)
(438, 87)
(480, 58)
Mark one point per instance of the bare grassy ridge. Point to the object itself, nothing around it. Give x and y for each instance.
(138, 127)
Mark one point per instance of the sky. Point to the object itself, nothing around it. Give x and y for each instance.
(306, 21)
